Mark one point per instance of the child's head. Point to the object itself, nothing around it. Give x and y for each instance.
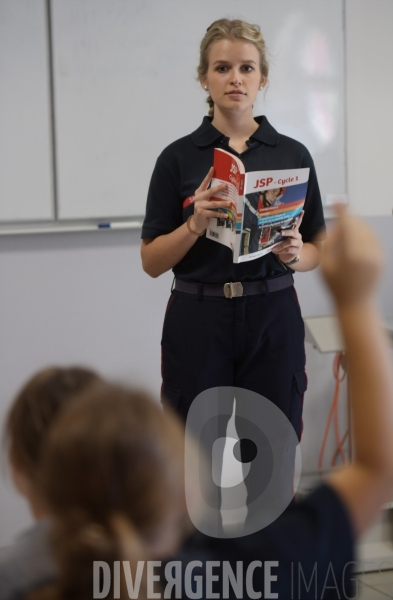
(114, 453)
(112, 474)
(30, 417)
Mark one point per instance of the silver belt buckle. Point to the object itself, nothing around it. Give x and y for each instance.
(233, 290)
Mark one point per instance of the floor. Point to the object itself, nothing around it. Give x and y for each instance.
(375, 586)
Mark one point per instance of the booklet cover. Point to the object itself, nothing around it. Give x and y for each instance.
(263, 204)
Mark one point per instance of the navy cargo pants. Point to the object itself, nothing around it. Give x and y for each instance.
(252, 342)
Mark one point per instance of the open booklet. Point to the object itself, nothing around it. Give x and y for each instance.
(263, 204)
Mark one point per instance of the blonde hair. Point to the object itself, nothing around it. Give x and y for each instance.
(227, 29)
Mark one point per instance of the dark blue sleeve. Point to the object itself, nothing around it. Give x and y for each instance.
(311, 544)
(164, 203)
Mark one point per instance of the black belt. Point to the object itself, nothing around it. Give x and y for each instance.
(237, 288)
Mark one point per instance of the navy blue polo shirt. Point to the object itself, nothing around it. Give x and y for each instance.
(179, 171)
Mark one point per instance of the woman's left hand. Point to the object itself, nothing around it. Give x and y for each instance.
(288, 249)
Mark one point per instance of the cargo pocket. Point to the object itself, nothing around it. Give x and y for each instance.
(170, 396)
(299, 386)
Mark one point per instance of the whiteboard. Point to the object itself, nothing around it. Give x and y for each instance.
(26, 190)
(124, 88)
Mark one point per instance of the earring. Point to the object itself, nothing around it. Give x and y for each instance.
(205, 87)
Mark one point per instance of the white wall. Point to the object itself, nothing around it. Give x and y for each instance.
(83, 297)
(75, 299)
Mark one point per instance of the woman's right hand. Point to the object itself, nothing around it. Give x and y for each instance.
(165, 251)
(203, 205)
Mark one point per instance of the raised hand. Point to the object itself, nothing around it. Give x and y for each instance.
(351, 260)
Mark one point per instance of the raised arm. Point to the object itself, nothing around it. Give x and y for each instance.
(351, 263)
(165, 251)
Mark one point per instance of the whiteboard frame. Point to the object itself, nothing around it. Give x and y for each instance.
(89, 224)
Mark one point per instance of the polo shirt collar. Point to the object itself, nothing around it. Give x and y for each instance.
(207, 134)
(265, 132)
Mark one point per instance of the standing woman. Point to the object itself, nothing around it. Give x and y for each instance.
(254, 341)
